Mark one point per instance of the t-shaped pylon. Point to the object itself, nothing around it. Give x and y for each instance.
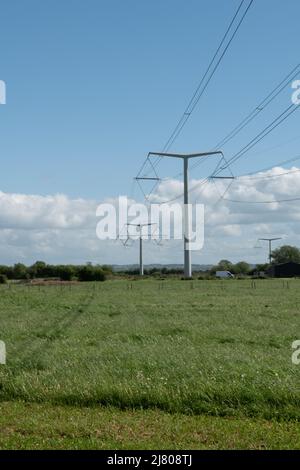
(185, 158)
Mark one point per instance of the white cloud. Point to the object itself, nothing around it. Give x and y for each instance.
(39, 212)
(57, 228)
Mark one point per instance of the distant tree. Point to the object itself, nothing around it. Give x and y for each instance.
(133, 272)
(3, 279)
(241, 268)
(66, 273)
(261, 267)
(107, 269)
(153, 271)
(99, 275)
(223, 265)
(38, 269)
(7, 271)
(19, 271)
(90, 273)
(286, 253)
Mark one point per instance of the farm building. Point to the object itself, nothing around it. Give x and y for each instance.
(290, 269)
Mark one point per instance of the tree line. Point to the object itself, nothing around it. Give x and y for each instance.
(90, 272)
(65, 272)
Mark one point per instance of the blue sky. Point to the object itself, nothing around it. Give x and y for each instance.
(93, 85)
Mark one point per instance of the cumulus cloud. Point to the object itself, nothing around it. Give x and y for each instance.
(57, 228)
(240, 211)
(40, 212)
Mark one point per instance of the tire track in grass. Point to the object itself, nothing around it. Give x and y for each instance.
(54, 333)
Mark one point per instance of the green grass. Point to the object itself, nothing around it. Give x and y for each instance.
(218, 349)
(46, 426)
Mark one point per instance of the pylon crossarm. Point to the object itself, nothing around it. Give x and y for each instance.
(138, 178)
(222, 177)
(181, 155)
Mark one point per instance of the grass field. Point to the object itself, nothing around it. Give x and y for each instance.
(211, 357)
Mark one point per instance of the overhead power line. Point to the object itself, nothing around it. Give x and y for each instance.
(284, 162)
(267, 176)
(273, 201)
(257, 110)
(253, 114)
(261, 106)
(266, 131)
(207, 77)
(259, 137)
(200, 90)
(251, 176)
(274, 124)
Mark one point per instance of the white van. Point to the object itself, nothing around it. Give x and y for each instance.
(224, 275)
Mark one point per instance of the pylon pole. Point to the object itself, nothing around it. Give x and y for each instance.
(187, 252)
(140, 226)
(141, 256)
